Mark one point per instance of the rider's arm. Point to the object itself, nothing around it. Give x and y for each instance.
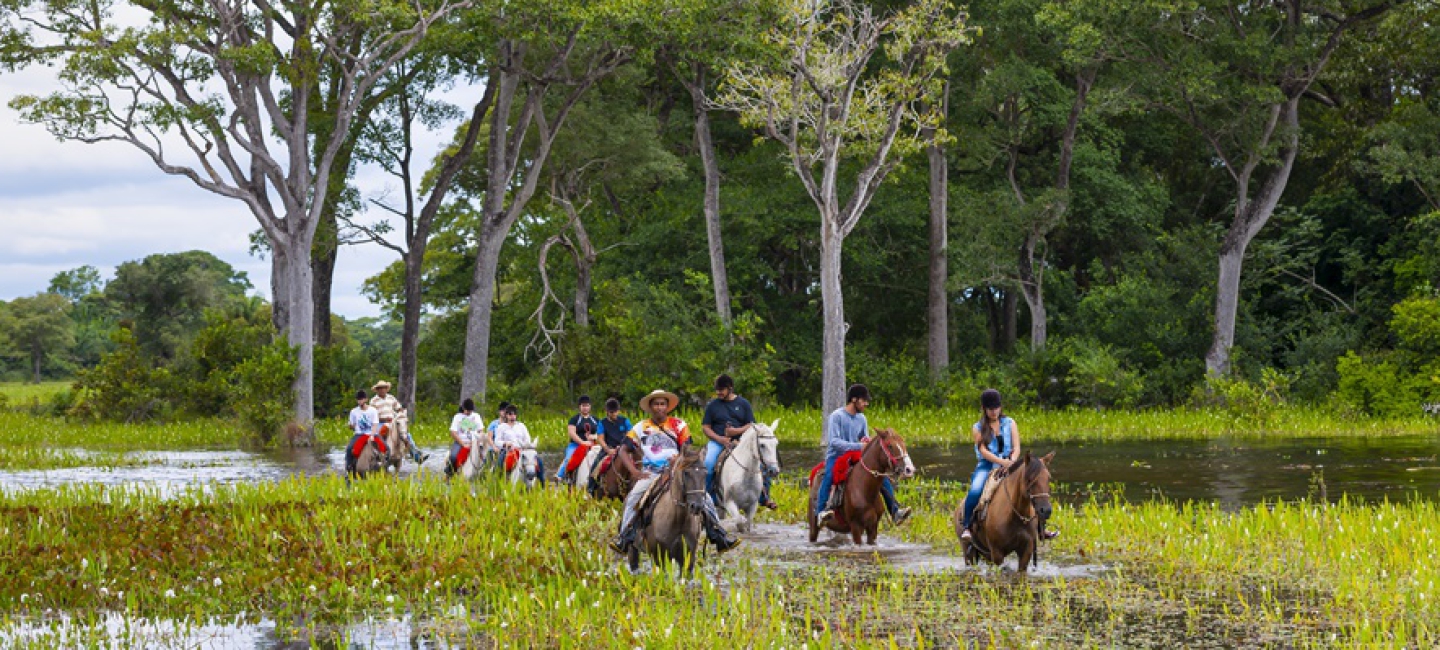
(574, 437)
(837, 445)
(985, 451)
(1014, 441)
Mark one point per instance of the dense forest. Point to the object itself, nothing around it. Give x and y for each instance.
(1084, 203)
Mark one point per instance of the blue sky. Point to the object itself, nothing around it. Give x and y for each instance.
(64, 205)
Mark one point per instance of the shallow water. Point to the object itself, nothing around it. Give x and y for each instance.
(1233, 473)
(114, 630)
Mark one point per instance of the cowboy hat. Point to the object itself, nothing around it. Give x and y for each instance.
(645, 401)
(381, 384)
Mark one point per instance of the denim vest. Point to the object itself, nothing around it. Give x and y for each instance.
(1001, 445)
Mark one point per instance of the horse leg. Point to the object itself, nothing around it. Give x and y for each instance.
(750, 517)
(1026, 552)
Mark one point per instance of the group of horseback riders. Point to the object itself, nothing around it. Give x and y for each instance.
(655, 442)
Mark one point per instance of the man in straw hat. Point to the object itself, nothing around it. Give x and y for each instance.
(392, 413)
(660, 438)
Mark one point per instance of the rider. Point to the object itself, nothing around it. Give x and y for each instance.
(614, 431)
(490, 432)
(512, 434)
(997, 443)
(727, 417)
(391, 412)
(364, 421)
(660, 438)
(845, 431)
(583, 428)
(463, 429)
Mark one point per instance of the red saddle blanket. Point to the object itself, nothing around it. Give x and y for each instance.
(578, 457)
(360, 443)
(604, 465)
(511, 458)
(842, 468)
(462, 456)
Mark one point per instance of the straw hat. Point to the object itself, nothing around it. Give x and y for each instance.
(645, 401)
(381, 384)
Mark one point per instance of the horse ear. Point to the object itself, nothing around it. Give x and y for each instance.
(883, 433)
(1047, 458)
(774, 425)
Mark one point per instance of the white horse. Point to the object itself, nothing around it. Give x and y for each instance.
(476, 461)
(742, 478)
(582, 473)
(527, 468)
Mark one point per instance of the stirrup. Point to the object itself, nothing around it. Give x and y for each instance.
(824, 517)
(965, 534)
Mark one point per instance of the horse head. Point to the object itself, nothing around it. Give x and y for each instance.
(530, 462)
(688, 474)
(1037, 484)
(768, 446)
(896, 456)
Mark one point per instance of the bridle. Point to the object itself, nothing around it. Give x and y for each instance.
(754, 442)
(1033, 496)
(896, 469)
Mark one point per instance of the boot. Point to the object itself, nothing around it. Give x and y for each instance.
(718, 535)
(899, 515)
(622, 543)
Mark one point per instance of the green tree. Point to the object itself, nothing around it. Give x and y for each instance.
(222, 96)
(165, 295)
(40, 328)
(827, 99)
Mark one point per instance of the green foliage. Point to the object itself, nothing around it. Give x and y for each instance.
(126, 386)
(1375, 385)
(1098, 379)
(165, 297)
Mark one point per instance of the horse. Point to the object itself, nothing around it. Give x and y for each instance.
(742, 478)
(1014, 517)
(624, 471)
(883, 456)
(527, 466)
(675, 520)
(371, 459)
(580, 475)
(474, 460)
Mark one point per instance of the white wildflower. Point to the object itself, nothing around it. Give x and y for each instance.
(218, 581)
(169, 593)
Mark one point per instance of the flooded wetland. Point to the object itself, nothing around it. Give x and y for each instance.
(1225, 541)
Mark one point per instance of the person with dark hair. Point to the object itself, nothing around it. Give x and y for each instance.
(364, 420)
(513, 434)
(727, 417)
(463, 429)
(997, 444)
(583, 428)
(614, 432)
(846, 431)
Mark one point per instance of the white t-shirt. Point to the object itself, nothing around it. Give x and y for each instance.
(515, 435)
(364, 420)
(465, 427)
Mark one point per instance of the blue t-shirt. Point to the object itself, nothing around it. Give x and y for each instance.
(614, 431)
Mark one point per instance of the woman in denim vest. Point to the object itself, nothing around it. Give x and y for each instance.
(997, 444)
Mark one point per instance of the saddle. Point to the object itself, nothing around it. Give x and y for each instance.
(578, 457)
(369, 439)
(462, 455)
(842, 468)
(989, 493)
(651, 497)
(512, 458)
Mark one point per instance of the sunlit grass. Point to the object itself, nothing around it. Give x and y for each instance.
(25, 393)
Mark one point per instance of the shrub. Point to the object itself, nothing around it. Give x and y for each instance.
(125, 386)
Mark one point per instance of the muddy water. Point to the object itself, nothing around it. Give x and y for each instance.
(115, 630)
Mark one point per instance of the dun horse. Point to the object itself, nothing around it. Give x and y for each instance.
(1014, 517)
(674, 529)
(371, 459)
(884, 456)
(742, 477)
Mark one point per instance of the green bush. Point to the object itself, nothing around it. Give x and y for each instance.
(1097, 378)
(1375, 385)
(125, 386)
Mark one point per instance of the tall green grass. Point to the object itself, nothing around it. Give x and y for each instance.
(24, 393)
(528, 568)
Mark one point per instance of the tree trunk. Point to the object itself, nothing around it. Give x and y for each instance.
(1031, 288)
(290, 265)
(1009, 308)
(322, 263)
(410, 326)
(37, 355)
(832, 301)
(938, 303)
(475, 378)
(1250, 217)
(719, 277)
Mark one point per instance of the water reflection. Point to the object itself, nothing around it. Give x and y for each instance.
(1234, 473)
(117, 630)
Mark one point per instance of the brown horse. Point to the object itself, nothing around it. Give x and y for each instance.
(863, 507)
(1014, 517)
(675, 521)
(624, 471)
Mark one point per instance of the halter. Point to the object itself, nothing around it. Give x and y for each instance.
(1033, 497)
(895, 467)
(755, 441)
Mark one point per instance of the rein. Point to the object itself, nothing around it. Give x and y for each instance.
(754, 442)
(894, 466)
(1014, 505)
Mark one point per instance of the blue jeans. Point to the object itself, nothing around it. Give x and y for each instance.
(977, 486)
(569, 451)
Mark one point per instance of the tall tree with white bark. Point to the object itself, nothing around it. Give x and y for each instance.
(220, 92)
(828, 99)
